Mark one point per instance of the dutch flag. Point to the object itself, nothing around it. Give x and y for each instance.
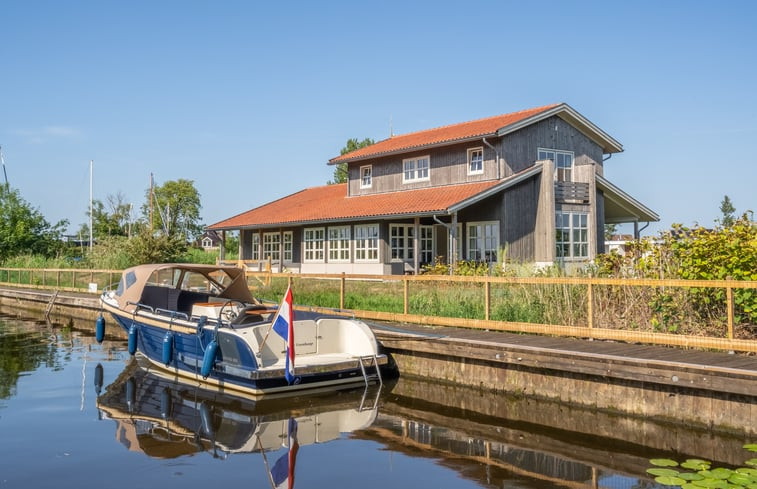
(284, 326)
(282, 472)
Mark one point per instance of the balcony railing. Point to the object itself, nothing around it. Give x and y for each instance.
(573, 192)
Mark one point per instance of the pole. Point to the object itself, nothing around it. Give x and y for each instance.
(5, 174)
(151, 203)
(91, 164)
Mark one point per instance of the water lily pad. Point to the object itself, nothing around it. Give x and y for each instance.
(663, 462)
(752, 462)
(669, 480)
(752, 447)
(740, 479)
(719, 473)
(690, 476)
(659, 471)
(747, 471)
(696, 464)
(712, 483)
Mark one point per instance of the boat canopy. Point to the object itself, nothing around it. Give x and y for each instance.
(223, 282)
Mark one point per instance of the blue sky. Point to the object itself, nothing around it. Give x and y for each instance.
(250, 100)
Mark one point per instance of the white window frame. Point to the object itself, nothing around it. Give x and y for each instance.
(314, 244)
(255, 255)
(272, 246)
(480, 163)
(483, 241)
(207, 242)
(367, 243)
(412, 171)
(563, 171)
(366, 176)
(339, 244)
(426, 244)
(571, 235)
(287, 245)
(401, 242)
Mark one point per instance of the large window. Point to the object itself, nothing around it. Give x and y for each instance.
(483, 241)
(415, 169)
(475, 161)
(563, 163)
(572, 236)
(366, 243)
(401, 241)
(366, 176)
(272, 246)
(313, 239)
(339, 244)
(255, 251)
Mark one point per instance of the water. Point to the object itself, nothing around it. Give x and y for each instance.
(77, 414)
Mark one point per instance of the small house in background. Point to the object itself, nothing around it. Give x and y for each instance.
(618, 243)
(525, 187)
(210, 240)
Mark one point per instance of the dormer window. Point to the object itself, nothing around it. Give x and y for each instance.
(475, 161)
(415, 169)
(366, 179)
(563, 163)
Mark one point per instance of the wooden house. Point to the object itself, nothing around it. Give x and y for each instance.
(525, 187)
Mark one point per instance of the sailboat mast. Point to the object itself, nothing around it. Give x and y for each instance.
(91, 164)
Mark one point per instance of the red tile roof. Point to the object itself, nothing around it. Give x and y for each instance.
(331, 203)
(430, 137)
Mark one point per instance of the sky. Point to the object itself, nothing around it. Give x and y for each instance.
(250, 100)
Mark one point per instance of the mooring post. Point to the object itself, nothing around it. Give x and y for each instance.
(341, 291)
(729, 305)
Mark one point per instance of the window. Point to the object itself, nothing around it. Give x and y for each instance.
(207, 243)
(339, 244)
(255, 255)
(475, 161)
(366, 173)
(572, 236)
(366, 243)
(427, 244)
(272, 246)
(288, 238)
(401, 241)
(313, 239)
(563, 163)
(483, 241)
(415, 169)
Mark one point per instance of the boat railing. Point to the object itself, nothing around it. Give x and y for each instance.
(172, 314)
(140, 306)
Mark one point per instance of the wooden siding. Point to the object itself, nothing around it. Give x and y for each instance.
(447, 165)
(600, 209)
(519, 149)
(520, 219)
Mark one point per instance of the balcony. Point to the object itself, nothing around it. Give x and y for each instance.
(572, 192)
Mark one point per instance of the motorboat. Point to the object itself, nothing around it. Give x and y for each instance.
(201, 323)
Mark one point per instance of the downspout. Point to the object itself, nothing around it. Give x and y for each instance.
(638, 231)
(496, 155)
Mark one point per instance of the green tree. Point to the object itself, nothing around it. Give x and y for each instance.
(340, 172)
(151, 248)
(24, 230)
(728, 211)
(176, 209)
(114, 221)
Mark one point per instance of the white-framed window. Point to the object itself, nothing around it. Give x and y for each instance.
(366, 176)
(563, 163)
(272, 246)
(426, 244)
(288, 240)
(367, 243)
(572, 236)
(207, 242)
(339, 244)
(475, 161)
(255, 255)
(314, 242)
(483, 241)
(415, 169)
(401, 241)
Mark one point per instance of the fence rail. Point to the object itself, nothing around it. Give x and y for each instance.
(585, 298)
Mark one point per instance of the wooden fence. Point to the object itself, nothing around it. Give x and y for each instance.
(589, 327)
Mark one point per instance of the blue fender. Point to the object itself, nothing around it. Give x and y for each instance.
(167, 348)
(133, 339)
(209, 358)
(100, 329)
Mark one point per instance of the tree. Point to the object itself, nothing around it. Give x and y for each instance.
(23, 229)
(176, 209)
(340, 172)
(728, 210)
(112, 222)
(610, 230)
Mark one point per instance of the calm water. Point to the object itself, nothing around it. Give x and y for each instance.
(77, 414)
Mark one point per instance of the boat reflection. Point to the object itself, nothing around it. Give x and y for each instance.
(163, 418)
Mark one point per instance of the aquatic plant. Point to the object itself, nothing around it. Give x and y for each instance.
(700, 473)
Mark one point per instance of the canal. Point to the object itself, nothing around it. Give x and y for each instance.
(75, 413)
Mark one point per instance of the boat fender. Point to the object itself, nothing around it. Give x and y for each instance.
(167, 348)
(98, 378)
(100, 329)
(209, 358)
(206, 416)
(166, 403)
(131, 394)
(133, 339)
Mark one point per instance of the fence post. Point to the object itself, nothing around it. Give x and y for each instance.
(341, 292)
(729, 305)
(590, 305)
(57, 279)
(405, 295)
(487, 298)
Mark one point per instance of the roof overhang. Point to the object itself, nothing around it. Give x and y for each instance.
(572, 117)
(507, 183)
(414, 149)
(621, 207)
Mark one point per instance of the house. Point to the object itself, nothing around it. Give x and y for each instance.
(527, 186)
(210, 240)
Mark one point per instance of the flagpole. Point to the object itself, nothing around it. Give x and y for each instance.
(265, 461)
